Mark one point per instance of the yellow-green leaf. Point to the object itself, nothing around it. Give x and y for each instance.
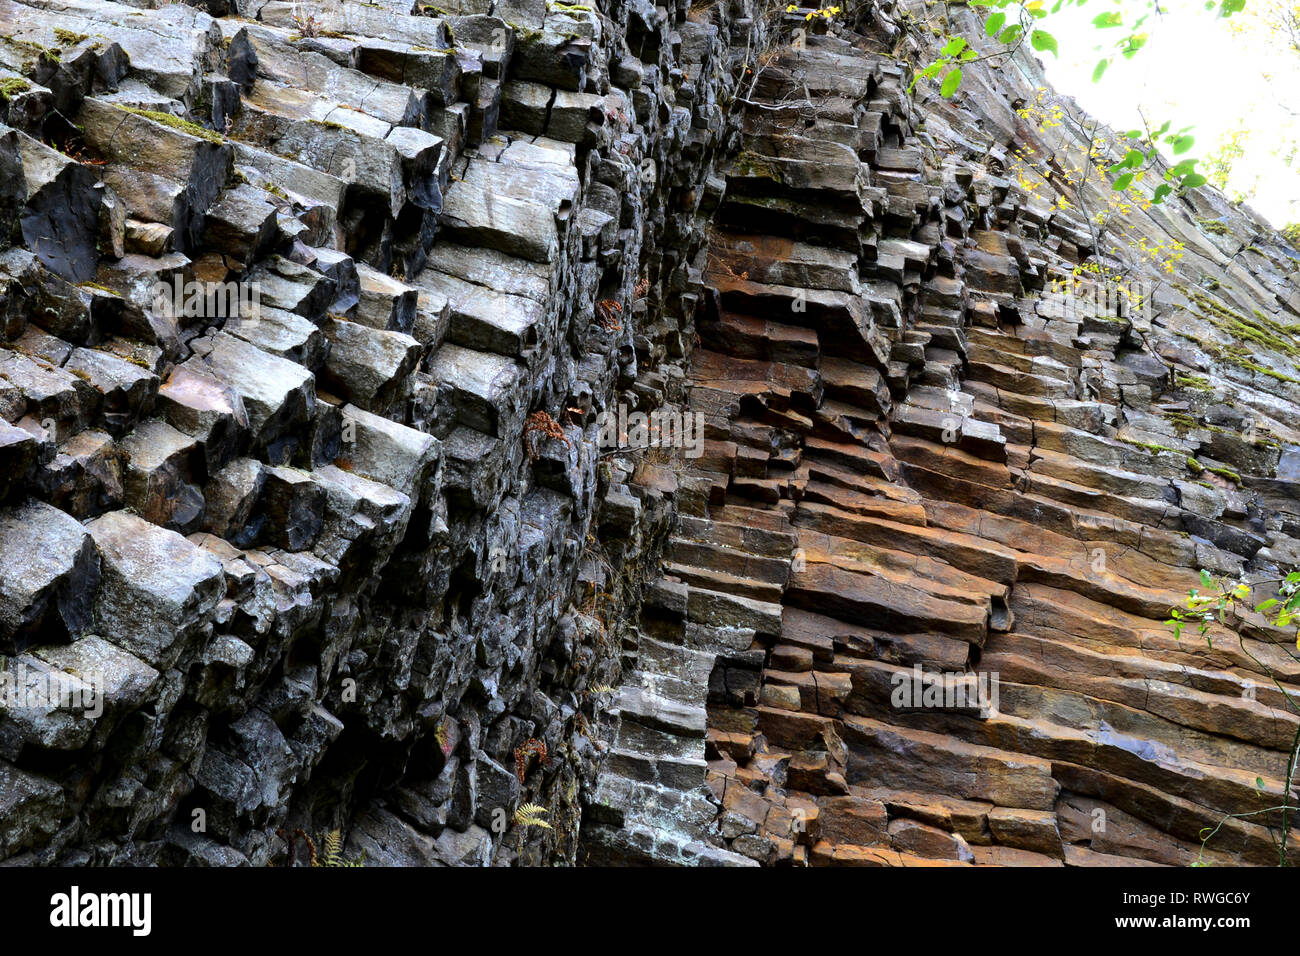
(951, 82)
(1043, 41)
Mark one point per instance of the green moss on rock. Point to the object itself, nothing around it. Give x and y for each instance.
(175, 122)
(12, 86)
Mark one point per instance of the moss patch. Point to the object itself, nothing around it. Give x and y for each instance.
(275, 190)
(175, 122)
(1150, 447)
(1197, 382)
(1225, 473)
(1182, 423)
(12, 87)
(751, 164)
(1240, 357)
(1258, 328)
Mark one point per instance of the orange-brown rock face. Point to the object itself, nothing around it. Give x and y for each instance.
(947, 518)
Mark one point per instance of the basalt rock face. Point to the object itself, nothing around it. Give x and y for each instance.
(331, 536)
(354, 556)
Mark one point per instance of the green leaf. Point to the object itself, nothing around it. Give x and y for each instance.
(1100, 69)
(930, 72)
(1183, 143)
(1259, 782)
(1043, 41)
(1270, 603)
(950, 82)
(994, 24)
(1109, 19)
(954, 46)
(1132, 44)
(1206, 578)
(1232, 6)
(1194, 180)
(1186, 167)
(1008, 36)
(1122, 183)
(1163, 190)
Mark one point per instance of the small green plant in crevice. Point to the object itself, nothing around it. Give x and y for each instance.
(1218, 600)
(40, 54)
(1197, 383)
(1150, 448)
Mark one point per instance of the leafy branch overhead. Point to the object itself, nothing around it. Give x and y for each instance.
(1143, 148)
(1010, 23)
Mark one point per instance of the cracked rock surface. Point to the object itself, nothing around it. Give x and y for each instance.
(350, 554)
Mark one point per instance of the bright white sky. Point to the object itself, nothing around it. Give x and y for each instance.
(1196, 70)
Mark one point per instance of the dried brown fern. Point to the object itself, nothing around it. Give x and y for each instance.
(606, 310)
(542, 422)
(530, 747)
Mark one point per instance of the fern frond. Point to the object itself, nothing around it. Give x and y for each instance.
(333, 844)
(530, 815)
